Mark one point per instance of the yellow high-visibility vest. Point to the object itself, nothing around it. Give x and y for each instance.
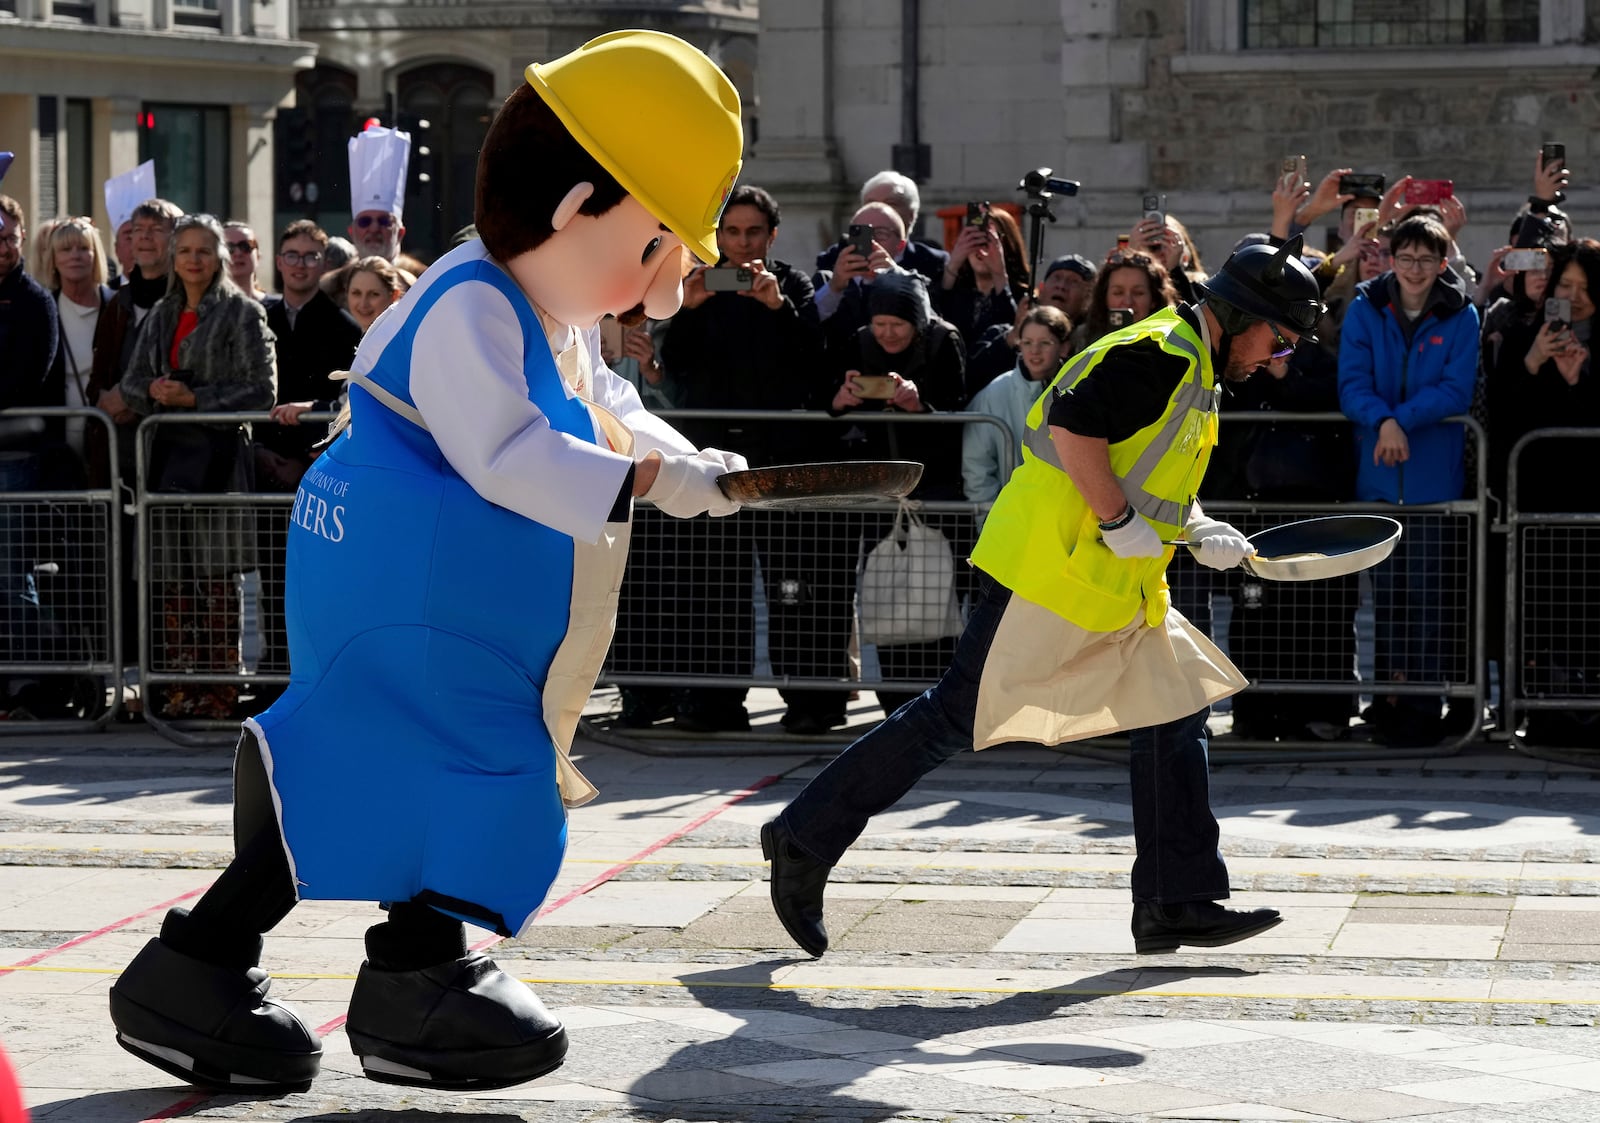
(1042, 540)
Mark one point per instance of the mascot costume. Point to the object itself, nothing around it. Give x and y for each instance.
(453, 565)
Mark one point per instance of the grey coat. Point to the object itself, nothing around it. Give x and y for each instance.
(230, 366)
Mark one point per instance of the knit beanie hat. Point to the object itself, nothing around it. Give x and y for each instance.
(1077, 263)
(899, 294)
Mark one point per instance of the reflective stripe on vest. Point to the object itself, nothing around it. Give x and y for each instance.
(1191, 395)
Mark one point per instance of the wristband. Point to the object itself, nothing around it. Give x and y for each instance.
(1121, 520)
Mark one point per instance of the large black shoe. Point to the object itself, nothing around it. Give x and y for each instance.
(463, 1025)
(1199, 924)
(211, 1025)
(797, 884)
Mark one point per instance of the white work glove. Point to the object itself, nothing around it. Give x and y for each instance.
(1136, 540)
(686, 486)
(1217, 544)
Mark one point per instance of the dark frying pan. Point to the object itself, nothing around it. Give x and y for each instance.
(836, 484)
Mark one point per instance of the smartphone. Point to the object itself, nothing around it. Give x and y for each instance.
(1119, 317)
(1365, 216)
(1363, 184)
(860, 239)
(1522, 261)
(611, 336)
(729, 278)
(977, 214)
(1425, 192)
(1552, 154)
(1155, 208)
(1292, 170)
(1122, 243)
(873, 386)
(1557, 311)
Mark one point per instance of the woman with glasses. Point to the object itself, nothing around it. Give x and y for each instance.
(205, 347)
(1408, 359)
(244, 258)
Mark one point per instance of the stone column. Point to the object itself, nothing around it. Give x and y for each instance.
(794, 155)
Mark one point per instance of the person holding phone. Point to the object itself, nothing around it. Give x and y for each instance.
(841, 292)
(1133, 282)
(206, 348)
(751, 348)
(986, 278)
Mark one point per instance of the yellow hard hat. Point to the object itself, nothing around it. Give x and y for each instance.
(660, 117)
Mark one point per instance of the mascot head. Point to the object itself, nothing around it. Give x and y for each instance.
(602, 174)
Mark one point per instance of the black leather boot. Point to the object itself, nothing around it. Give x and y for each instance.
(797, 884)
(463, 1024)
(211, 1023)
(1199, 924)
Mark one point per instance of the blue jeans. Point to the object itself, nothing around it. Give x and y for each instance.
(1174, 831)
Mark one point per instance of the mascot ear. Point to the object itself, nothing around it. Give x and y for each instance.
(567, 209)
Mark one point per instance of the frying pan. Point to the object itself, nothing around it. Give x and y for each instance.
(1314, 549)
(829, 484)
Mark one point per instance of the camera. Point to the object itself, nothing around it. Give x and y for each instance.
(1040, 184)
(728, 278)
(859, 238)
(1426, 192)
(1363, 185)
(977, 214)
(1522, 261)
(1557, 312)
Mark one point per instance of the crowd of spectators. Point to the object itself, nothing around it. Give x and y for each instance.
(178, 322)
(882, 333)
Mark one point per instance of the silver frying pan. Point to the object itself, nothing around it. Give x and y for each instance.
(1315, 549)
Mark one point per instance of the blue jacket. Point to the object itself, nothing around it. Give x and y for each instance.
(1417, 372)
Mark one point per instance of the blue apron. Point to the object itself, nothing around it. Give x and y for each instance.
(410, 757)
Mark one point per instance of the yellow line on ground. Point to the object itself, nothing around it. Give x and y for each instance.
(1095, 992)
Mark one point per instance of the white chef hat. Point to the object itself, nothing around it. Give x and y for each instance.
(128, 190)
(378, 160)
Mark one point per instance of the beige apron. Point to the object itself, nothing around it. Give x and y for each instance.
(1048, 681)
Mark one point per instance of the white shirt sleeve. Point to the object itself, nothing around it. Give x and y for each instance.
(621, 397)
(467, 380)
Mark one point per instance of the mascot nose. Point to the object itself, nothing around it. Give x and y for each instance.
(664, 294)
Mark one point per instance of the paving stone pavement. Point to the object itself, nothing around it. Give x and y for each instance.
(1439, 958)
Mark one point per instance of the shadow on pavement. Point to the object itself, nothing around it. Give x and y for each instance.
(750, 989)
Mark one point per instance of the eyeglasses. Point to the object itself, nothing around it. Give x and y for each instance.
(1282, 348)
(1411, 261)
(290, 257)
(241, 247)
(13, 239)
(383, 220)
(1118, 258)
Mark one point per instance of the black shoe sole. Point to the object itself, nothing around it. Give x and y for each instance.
(457, 1070)
(768, 849)
(211, 1063)
(1157, 945)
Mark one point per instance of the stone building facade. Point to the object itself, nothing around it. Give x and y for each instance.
(1199, 100)
(439, 68)
(88, 90)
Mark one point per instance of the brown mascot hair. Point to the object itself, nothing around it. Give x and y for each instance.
(528, 164)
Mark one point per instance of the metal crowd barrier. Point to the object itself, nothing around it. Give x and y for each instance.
(210, 573)
(1552, 635)
(60, 581)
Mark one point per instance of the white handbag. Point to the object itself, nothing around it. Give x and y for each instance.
(906, 591)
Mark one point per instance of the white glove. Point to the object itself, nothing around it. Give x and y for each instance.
(1136, 540)
(1217, 544)
(686, 486)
